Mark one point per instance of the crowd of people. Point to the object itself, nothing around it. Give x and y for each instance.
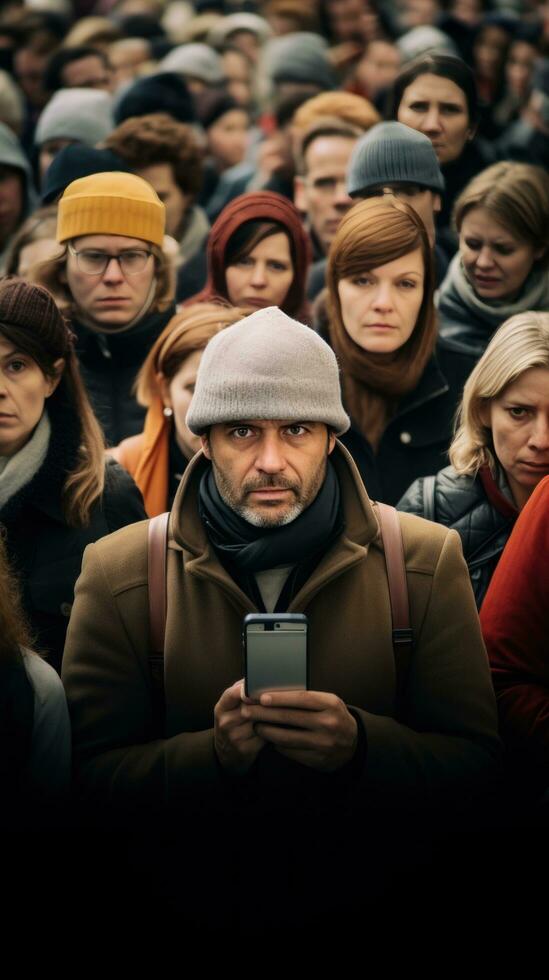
(274, 308)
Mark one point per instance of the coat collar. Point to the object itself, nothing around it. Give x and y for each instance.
(361, 528)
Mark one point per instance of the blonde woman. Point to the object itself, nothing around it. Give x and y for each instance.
(500, 451)
(56, 493)
(502, 267)
(158, 456)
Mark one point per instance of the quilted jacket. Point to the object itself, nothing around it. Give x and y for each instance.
(461, 502)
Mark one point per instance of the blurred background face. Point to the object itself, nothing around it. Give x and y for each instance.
(322, 193)
(437, 107)
(495, 261)
(238, 72)
(228, 138)
(162, 178)
(88, 72)
(379, 308)
(379, 67)
(489, 51)
(519, 66)
(48, 152)
(519, 420)
(12, 200)
(263, 277)
(177, 394)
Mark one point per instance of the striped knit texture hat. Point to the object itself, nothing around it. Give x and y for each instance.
(112, 204)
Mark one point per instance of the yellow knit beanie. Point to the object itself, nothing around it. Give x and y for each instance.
(111, 204)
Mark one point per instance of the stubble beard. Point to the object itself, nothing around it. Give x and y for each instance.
(260, 516)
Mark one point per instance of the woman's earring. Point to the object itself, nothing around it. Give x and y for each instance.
(168, 412)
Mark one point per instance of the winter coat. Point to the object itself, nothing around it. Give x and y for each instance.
(46, 552)
(416, 439)
(445, 739)
(483, 523)
(468, 322)
(515, 624)
(109, 365)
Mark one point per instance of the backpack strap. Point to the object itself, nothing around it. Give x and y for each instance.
(429, 503)
(403, 635)
(157, 560)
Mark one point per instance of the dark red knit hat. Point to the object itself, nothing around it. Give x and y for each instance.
(28, 307)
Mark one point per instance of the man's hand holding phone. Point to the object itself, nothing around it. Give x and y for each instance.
(320, 732)
(236, 743)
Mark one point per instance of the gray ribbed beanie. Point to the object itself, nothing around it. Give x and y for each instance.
(267, 366)
(81, 114)
(391, 152)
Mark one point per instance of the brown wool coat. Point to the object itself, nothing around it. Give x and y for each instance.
(450, 738)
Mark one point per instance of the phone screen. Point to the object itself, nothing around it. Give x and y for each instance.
(276, 661)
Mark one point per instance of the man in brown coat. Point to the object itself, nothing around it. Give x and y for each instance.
(272, 515)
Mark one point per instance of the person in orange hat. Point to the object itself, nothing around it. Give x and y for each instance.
(158, 456)
(116, 284)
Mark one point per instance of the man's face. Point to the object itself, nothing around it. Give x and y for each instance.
(12, 199)
(88, 72)
(322, 192)
(268, 472)
(29, 67)
(424, 202)
(162, 178)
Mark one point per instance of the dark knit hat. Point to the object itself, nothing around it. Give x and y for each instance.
(166, 92)
(28, 307)
(391, 152)
(73, 162)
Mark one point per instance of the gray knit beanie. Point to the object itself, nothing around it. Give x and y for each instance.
(300, 57)
(84, 115)
(267, 366)
(389, 153)
(195, 60)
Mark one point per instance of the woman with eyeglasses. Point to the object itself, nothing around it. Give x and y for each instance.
(117, 285)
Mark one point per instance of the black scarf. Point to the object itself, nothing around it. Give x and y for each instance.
(245, 549)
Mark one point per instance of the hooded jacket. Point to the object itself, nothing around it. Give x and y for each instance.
(12, 155)
(467, 322)
(260, 206)
(447, 738)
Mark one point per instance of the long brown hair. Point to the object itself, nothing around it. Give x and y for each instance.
(30, 320)
(14, 632)
(373, 233)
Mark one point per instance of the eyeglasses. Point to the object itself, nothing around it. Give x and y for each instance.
(94, 263)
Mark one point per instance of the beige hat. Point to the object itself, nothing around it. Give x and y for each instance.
(267, 366)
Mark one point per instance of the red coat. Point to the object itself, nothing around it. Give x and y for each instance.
(515, 624)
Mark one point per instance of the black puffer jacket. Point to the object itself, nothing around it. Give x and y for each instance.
(462, 503)
(44, 551)
(109, 365)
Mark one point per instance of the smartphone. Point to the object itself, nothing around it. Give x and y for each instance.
(275, 653)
